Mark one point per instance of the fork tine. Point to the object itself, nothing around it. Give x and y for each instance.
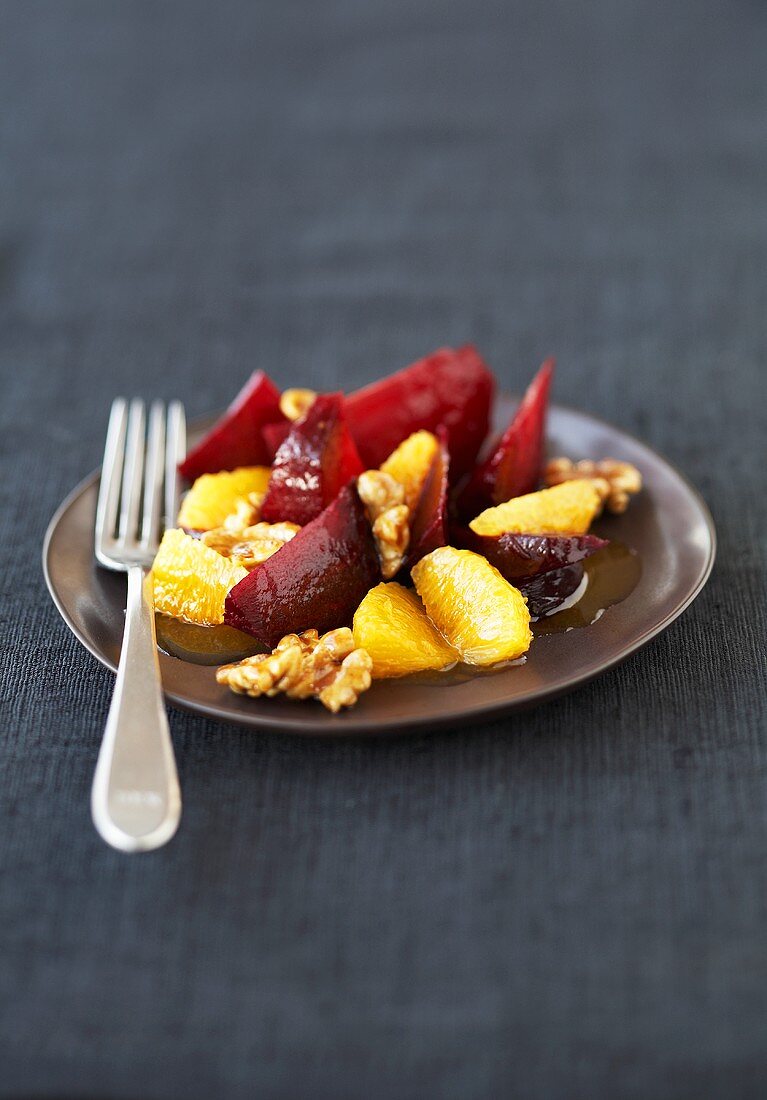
(175, 451)
(111, 474)
(133, 473)
(153, 477)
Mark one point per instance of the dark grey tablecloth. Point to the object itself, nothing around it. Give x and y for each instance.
(571, 903)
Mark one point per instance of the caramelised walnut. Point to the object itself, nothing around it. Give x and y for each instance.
(265, 674)
(295, 403)
(616, 482)
(247, 512)
(343, 687)
(379, 491)
(305, 666)
(389, 516)
(251, 545)
(391, 531)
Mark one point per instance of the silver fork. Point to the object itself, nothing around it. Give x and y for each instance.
(136, 801)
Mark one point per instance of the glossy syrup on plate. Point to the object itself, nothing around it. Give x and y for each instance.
(203, 645)
(611, 575)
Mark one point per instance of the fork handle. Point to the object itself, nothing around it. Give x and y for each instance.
(136, 801)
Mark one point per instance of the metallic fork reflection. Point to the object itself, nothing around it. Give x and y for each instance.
(136, 801)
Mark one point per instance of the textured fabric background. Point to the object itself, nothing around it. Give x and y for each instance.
(571, 903)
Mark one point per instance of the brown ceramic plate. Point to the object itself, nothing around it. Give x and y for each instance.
(668, 527)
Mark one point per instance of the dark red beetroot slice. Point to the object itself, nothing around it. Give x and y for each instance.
(449, 387)
(351, 463)
(318, 579)
(546, 594)
(428, 526)
(516, 463)
(275, 435)
(519, 556)
(310, 468)
(236, 439)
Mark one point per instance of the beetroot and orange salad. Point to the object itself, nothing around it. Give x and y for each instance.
(375, 534)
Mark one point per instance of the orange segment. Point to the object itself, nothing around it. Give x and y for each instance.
(410, 464)
(191, 580)
(213, 497)
(567, 509)
(471, 604)
(393, 627)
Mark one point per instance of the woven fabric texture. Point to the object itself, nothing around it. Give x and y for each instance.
(571, 903)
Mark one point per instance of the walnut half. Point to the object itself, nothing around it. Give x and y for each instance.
(305, 666)
(247, 512)
(251, 545)
(616, 482)
(384, 500)
(296, 402)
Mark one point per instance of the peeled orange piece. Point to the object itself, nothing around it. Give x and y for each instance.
(191, 580)
(213, 497)
(410, 464)
(566, 509)
(472, 606)
(393, 627)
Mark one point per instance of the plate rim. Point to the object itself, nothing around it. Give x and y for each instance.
(351, 725)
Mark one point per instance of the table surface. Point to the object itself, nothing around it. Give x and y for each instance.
(569, 903)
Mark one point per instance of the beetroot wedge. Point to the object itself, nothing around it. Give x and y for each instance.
(236, 439)
(428, 525)
(547, 592)
(312, 465)
(275, 435)
(523, 556)
(450, 387)
(318, 579)
(515, 465)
